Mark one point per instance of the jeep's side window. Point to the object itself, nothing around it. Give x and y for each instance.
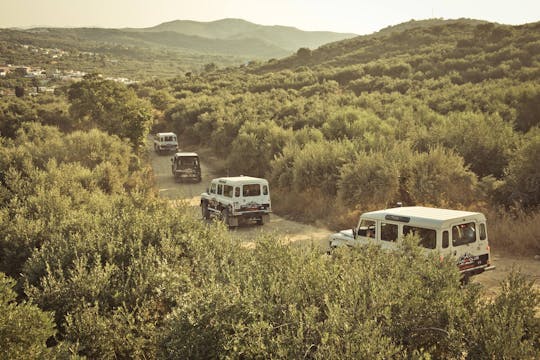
(445, 239)
(227, 190)
(483, 235)
(367, 228)
(389, 232)
(428, 237)
(220, 189)
(237, 192)
(213, 189)
(265, 190)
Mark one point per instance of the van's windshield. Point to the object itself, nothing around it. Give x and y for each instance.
(188, 160)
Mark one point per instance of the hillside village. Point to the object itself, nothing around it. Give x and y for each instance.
(40, 79)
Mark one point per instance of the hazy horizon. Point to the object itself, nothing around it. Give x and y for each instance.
(346, 16)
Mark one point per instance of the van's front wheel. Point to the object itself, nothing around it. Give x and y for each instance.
(225, 216)
(205, 212)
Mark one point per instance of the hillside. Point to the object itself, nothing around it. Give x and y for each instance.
(444, 113)
(229, 37)
(417, 41)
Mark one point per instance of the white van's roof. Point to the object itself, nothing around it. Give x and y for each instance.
(178, 154)
(241, 179)
(426, 215)
(166, 134)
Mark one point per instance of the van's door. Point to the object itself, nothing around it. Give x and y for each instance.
(471, 253)
(255, 196)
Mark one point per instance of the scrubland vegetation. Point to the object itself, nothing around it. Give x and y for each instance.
(93, 264)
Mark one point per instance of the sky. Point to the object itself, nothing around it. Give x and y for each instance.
(352, 16)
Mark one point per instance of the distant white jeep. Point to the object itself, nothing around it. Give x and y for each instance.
(165, 142)
(237, 199)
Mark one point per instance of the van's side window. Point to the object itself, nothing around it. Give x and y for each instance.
(428, 237)
(445, 239)
(213, 189)
(463, 234)
(219, 189)
(483, 235)
(389, 232)
(237, 192)
(227, 190)
(251, 190)
(265, 190)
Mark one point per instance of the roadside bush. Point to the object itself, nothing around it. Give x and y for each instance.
(255, 146)
(514, 308)
(318, 164)
(485, 141)
(24, 328)
(522, 182)
(440, 178)
(371, 180)
(278, 301)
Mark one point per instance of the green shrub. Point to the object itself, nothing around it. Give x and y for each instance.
(24, 328)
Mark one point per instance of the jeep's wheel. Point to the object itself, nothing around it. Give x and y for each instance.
(205, 212)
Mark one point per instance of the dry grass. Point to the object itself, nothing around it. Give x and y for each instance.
(516, 232)
(314, 207)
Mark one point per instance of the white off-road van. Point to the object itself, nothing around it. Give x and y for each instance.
(461, 234)
(237, 199)
(165, 142)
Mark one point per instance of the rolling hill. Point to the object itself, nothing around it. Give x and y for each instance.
(284, 37)
(226, 37)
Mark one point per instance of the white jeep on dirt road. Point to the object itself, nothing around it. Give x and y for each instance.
(237, 199)
(451, 233)
(165, 142)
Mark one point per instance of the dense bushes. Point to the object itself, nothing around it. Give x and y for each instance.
(124, 275)
(24, 327)
(284, 302)
(111, 107)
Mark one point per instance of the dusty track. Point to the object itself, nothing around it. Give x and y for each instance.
(293, 232)
(302, 234)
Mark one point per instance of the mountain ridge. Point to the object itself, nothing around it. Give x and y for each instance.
(228, 37)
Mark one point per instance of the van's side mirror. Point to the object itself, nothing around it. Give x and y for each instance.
(207, 191)
(354, 234)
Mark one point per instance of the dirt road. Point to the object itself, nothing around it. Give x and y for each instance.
(302, 234)
(293, 232)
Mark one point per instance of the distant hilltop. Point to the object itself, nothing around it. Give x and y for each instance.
(285, 37)
(229, 37)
